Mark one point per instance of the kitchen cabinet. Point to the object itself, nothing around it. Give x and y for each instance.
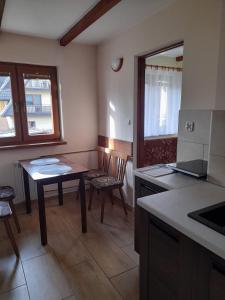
(209, 281)
(142, 188)
(174, 267)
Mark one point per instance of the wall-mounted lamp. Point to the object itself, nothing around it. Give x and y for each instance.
(117, 64)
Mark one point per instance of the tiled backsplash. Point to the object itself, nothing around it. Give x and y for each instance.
(216, 169)
(206, 141)
(194, 144)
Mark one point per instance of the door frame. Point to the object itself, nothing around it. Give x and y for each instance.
(141, 99)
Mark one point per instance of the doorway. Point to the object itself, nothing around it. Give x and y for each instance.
(158, 105)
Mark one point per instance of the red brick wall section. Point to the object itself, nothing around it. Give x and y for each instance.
(114, 144)
(159, 151)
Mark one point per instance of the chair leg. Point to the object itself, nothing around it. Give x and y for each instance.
(102, 206)
(123, 201)
(78, 191)
(111, 197)
(91, 197)
(12, 206)
(11, 237)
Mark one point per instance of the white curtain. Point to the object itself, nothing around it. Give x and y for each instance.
(162, 101)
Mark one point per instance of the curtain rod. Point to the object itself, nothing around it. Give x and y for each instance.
(164, 68)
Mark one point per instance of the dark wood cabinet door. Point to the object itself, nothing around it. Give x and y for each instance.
(209, 276)
(174, 267)
(158, 290)
(217, 283)
(142, 188)
(164, 262)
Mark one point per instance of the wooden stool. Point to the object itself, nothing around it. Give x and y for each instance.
(7, 194)
(5, 214)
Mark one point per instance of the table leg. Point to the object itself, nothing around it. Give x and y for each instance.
(27, 191)
(60, 193)
(42, 217)
(83, 204)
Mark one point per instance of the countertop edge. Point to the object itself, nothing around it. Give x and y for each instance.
(198, 238)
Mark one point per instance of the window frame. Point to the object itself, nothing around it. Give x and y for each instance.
(10, 69)
(17, 72)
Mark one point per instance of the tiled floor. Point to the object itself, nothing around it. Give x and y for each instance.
(98, 265)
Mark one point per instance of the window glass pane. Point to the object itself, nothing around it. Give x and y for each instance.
(7, 122)
(39, 106)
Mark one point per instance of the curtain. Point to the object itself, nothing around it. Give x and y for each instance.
(162, 101)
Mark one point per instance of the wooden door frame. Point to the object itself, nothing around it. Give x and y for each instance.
(141, 99)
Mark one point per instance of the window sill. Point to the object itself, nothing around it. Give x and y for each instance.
(160, 137)
(32, 145)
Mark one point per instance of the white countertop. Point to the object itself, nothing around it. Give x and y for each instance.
(173, 206)
(169, 182)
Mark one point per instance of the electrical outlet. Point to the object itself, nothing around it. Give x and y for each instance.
(190, 126)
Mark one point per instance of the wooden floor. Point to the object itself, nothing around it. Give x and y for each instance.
(100, 264)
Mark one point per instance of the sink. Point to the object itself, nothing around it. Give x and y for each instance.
(212, 216)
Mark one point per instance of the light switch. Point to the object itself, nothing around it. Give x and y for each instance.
(190, 126)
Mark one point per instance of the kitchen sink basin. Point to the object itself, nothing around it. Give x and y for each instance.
(212, 216)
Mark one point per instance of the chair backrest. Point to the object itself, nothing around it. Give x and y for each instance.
(119, 163)
(104, 158)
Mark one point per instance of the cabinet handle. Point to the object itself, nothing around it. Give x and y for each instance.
(148, 188)
(164, 231)
(219, 269)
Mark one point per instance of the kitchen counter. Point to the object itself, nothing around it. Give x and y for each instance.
(173, 206)
(172, 181)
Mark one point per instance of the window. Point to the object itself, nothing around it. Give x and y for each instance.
(31, 124)
(162, 101)
(33, 99)
(28, 104)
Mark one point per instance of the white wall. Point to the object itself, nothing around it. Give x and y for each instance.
(220, 95)
(216, 170)
(77, 79)
(195, 22)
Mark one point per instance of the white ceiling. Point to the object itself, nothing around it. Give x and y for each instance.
(173, 52)
(52, 18)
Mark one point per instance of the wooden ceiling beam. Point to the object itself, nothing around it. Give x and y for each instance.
(102, 7)
(2, 6)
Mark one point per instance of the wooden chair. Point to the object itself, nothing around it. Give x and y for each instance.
(106, 184)
(7, 194)
(104, 158)
(5, 214)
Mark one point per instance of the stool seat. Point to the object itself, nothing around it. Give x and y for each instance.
(5, 210)
(6, 192)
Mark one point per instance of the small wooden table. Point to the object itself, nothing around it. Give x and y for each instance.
(33, 171)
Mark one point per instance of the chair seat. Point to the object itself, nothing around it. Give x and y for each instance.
(6, 192)
(106, 182)
(5, 209)
(94, 174)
